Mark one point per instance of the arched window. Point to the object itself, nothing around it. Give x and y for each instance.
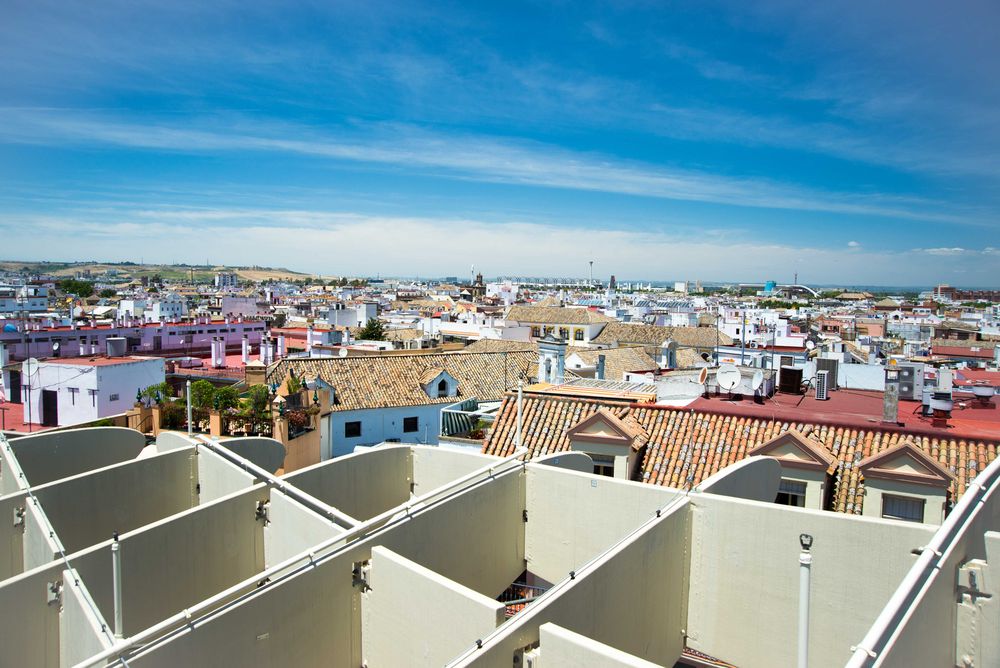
(443, 388)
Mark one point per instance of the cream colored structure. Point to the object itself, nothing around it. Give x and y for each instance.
(423, 556)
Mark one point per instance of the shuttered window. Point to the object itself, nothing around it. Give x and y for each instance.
(904, 508)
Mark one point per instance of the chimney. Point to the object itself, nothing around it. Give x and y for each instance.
(668, 354)
(890, 398)
(246, 349)
(281, 345)
(4, 355)
(600, 367)
(309, 340)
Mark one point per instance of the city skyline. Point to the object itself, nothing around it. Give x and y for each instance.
(850, 145)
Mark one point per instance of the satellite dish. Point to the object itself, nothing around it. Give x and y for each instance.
(810, 345)
(754, 344)
(703, 375)
(342, 352)
(757, 381)
(728, 376)
(55, 346)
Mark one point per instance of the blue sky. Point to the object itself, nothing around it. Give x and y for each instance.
(854, 143)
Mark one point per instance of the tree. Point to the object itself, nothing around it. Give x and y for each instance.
(279, 320)
(202, 394)
(156, 394)
(107, 293)
(259, 399)
(81, 289)
(226, 398)
(372, 331)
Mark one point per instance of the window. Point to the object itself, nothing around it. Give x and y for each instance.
(578, 335)
(410, 425)
(563, 332)
(114, 397)
(536, 331)
(906, 508)
(352, 429)
(791, 493)
(443, 388)
(93, 397)
(73, 391)
(604, 465)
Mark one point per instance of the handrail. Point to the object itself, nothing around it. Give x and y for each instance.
(312, 558)
(658, 515)
(342, 519)
(883, 632)
(18, 472)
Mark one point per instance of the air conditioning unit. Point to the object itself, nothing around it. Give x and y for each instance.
(822, 385)
(830, 365)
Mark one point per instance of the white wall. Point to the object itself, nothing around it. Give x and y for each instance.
(412, 616)
(588, 512)
(632, 598)
(435, 466)
(292, 529)
(561, 648)
(80, 633)
(218, 477)
(382, 424)
(361, 485)
(745, 577)
(88, 508)
(50, 456)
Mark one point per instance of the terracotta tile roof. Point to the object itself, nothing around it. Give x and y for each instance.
(384, 381)
(617, 361)
(687, 446)
(555, 315)
(621, 333)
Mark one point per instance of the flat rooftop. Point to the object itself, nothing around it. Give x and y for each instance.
(862, 409)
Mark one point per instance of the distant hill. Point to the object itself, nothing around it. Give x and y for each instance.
(130, 270)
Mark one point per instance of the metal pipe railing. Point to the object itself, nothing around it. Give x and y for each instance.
(340, 518)
(312, 558)
(885, 630)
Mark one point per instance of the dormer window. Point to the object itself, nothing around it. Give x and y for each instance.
(443, 388)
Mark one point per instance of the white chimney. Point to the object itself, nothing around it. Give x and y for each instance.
(309, 340)
(246, 349)
(281, 345)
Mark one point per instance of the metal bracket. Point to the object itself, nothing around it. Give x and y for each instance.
(360, 575)
(53, 592)
(262, 512)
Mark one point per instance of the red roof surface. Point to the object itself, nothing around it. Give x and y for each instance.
(12, 419)
(101, 360)
(863, 410)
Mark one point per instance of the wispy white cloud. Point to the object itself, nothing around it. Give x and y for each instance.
(349, 242)
(470, 157)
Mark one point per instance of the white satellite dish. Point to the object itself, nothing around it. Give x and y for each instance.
(342, 352)
(703, 375)
(728, 376)
(810, 345)
(757, 381)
